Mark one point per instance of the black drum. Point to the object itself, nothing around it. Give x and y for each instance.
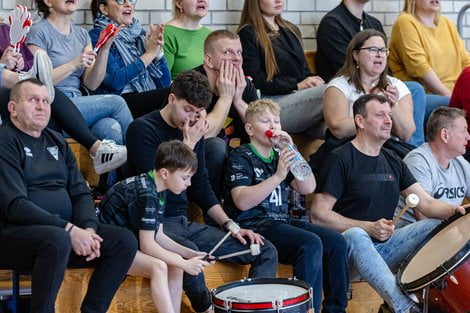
(283, 295)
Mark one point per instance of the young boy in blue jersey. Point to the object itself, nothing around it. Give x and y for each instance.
(138, 203)
(255, 193)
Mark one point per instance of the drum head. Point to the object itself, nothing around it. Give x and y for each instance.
(446, 248)
(261, 293)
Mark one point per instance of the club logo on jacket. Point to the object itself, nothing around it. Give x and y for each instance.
(54, 151)
(28, 151)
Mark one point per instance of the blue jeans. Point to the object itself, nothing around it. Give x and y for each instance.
(318, 255)
(107, 116)
(433, 102)
(203, 238)
(419, 110)
(376, 263)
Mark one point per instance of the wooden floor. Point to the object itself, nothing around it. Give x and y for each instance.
(134, 294)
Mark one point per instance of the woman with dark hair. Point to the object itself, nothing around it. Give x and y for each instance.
(184, 35)
(273, 56)
(69, 48)
(364, 72)
(136, 67)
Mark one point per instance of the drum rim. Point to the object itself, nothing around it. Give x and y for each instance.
(451, 264)
(297, 300)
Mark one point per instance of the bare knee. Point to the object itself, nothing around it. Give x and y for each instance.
(158, 268)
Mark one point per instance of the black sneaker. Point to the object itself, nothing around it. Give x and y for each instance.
(384, 308)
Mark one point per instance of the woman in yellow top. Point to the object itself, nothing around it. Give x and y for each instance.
(426, 47)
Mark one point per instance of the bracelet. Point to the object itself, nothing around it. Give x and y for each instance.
(160, 54)
(70, 228)
(227, 225)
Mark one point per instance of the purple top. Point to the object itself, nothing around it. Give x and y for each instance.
(5, 42)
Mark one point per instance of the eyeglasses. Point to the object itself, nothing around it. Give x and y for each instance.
(121, 2)
(376, 50)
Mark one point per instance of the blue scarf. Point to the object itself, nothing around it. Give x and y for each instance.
(130, 44)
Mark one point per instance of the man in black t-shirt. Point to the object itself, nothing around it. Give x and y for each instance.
(358, 191)
(47, 216)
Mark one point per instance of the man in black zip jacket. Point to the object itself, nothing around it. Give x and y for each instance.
(47, 216)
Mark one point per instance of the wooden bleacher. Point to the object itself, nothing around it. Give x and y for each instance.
(134, 293)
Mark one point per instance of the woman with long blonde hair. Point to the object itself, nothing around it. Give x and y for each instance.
(426, 47)
(273, 56)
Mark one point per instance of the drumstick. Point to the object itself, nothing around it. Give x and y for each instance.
(219, 243)
(254, 250)
(233, 228)
(411, 201)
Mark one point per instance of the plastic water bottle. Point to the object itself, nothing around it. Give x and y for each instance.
(296, 204)
(299, 167)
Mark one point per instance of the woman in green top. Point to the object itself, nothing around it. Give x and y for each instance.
(184, 35)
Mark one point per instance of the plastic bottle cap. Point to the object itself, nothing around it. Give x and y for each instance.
(269, 133)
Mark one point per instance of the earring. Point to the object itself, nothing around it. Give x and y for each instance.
(51, 9)
(181, 10)
(357, 64)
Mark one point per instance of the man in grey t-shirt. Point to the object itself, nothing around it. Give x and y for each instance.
(438, 165)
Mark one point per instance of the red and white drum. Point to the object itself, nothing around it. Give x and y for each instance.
(283, 295)
(442, 261)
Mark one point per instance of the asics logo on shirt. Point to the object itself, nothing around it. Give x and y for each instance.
(450, 193)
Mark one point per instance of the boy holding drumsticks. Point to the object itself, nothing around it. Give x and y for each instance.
(138, 203)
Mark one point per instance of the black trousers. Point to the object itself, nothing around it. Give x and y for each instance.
(141, 103)
(46, 251)
(64, 117)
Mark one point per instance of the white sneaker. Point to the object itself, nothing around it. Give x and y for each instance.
(42, 70)
(109, 156)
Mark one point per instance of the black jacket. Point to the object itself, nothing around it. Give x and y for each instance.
(334, 33)
(290, 60)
